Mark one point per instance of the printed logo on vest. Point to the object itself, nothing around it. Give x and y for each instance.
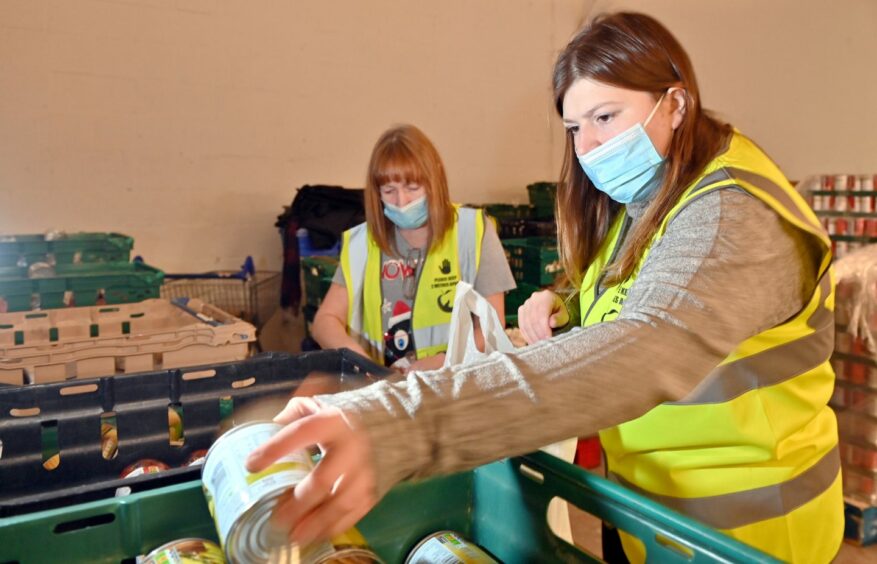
(446, 306)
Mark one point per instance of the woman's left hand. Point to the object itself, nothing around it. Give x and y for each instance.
(340, 490)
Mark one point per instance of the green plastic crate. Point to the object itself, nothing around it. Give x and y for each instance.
(516, 298)
(80, 285)
(503, 212)
(533, 260)
(24, 250)
(500, 506)
(542, 197)
(318, 273)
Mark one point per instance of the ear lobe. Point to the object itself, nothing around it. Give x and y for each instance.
(680, 106)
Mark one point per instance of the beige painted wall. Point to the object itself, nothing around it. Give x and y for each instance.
(798, 76)
(188, 124)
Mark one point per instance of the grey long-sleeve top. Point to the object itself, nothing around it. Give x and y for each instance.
(727, 267)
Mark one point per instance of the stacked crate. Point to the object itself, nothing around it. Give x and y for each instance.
(318, 272)
(81, 269)
(528, 234)
(74, 305)
(37, 347)
(855, 395)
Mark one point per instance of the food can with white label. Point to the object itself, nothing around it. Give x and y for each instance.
(186, 551)
(448, 547)
(241, 502)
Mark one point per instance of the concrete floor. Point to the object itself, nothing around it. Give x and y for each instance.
(284, 332)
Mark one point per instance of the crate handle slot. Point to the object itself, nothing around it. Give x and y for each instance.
(199, 375)
(534, 475)
(237, 384)
(675, 546)
(24, 412)
(36, 315)
(108, 310)
(87, 522)
(77, 390)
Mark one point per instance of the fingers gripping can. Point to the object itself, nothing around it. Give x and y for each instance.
(240, 502)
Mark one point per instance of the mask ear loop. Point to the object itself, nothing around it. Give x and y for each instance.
(655, 109)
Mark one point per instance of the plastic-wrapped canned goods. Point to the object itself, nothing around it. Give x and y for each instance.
(861, 484)
(855, 427)
(858, 456)
(448, 547)
(186, 551)
(861, 400)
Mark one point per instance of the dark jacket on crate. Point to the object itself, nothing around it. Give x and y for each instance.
(326, 212)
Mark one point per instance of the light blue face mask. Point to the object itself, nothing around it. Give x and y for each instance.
(627, 167)
(411, 216)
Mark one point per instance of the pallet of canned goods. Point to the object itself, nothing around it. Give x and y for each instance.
(58, 247)
(46, 286)
(494, 513)
(847, 206)
(66, 442)
(62, 344)
(253, 296)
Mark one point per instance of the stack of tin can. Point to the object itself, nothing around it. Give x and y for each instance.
(847, 206)
(855, 393)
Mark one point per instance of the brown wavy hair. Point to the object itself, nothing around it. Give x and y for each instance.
(405, 154)
(636, 52)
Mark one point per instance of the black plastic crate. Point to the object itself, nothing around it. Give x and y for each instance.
(73, 412)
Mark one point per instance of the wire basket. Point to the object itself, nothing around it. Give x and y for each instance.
(247, 294)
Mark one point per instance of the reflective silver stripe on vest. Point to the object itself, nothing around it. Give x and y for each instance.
(466, 241)
(778, 364)
(737, 509)
(357, 255)
(757, 180)
(432, 336)
(774, 190)
(772, 366)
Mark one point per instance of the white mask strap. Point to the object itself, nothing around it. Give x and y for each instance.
(655, 109)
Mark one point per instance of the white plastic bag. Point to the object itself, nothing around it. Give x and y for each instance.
(462, 349)
(461, 339)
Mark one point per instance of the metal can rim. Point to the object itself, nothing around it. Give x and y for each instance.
(436, 534)
(222, 439)
(170, 544)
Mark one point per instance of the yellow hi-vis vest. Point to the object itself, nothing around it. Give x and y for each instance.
(456, 258)
(752, 450)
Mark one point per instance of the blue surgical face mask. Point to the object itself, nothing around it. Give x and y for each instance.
(627, 167)
(411, 216)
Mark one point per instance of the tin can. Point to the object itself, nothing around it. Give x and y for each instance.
(145, 466)
(241, 503)
(186, 551)
(347, 548)
(109, 441)
(197, 457)
(447, 547)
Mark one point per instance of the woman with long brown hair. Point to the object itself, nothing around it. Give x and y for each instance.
(703, 328)
(392, 297)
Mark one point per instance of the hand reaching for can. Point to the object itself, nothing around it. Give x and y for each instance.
(542, 313)
(341, 488)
